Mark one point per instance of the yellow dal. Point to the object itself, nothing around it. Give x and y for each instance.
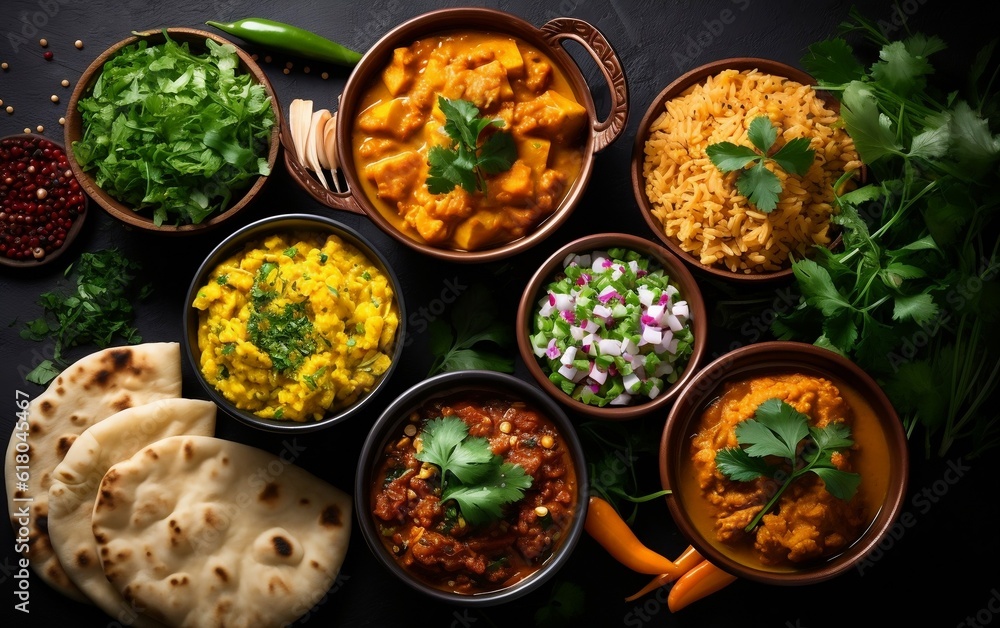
(349, 302)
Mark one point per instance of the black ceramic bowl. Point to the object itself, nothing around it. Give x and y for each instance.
(391, 425)
(255, 233)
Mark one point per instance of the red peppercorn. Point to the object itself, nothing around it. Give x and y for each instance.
(37, 208)
(48, 55)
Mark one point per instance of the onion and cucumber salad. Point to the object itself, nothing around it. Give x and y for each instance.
(612, 329)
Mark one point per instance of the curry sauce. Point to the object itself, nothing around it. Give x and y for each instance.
(506, 79)
(807, 524)
(431, 539)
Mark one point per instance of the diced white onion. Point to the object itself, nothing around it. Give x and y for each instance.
(621, 400)
(590, 326)
(674, 323)
(597, 374)
(568, 371)
(646, 296)
(609, 346)
(655, 312)
(681, 310)
(631, 382)
(652, 335)
(564, 302)
(602, 311)
(577, 333)
(569, 355)
(597, 265)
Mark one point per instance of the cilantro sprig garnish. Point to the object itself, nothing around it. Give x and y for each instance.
(779, 430)
(97, 311)
(916, 236)
(761, 186)
(479, 481)
(465, 162)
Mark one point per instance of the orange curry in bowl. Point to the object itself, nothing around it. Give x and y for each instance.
(806, 523)
(464, 544)
(507, 80)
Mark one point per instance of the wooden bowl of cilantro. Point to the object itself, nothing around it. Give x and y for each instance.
(786, 464)
(472, 488)
(173, 131)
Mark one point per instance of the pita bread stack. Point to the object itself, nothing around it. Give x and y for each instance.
(196, 531)
(77, 478)
(136, 507)
(87, 392)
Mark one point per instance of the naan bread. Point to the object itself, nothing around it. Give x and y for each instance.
(88, 391)
(77, 478)
(200, 531)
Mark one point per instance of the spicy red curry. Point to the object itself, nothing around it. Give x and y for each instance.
(433, 540)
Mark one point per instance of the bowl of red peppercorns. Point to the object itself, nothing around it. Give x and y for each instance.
(42, 206)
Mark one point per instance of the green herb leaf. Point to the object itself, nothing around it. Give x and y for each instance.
(795, 156)
(98, 311)
(728, 156)
(465, 163)
(472, 336)
(871, 130)
(832, 62)
(758, 184)
(479, 482)
(482, 503)
(762, 133)
(175, 133)
(779, 430)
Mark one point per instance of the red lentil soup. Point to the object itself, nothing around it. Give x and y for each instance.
(808, 524)
(432, 541)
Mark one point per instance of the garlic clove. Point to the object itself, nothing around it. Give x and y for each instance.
(330, 147)
(299, 117)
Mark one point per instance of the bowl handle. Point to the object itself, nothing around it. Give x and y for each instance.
(345, 201)
(605, 131)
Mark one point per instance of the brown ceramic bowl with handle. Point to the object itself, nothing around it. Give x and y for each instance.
(879, 456)
(549, 38)
(534, 296)
(676, 89)
(143, 219)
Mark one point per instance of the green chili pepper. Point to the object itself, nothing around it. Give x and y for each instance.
(289, 39)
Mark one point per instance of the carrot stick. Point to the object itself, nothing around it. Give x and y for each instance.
(607, 527)
(688, 559)
(701, 581)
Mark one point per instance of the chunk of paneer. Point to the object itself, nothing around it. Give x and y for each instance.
(504, 50)
(430, 83)
(534, 152)
(482, 86)
(395, 118)
(539, 72)
(552, 116)
(476, 232)
(398, 75)
(515, 186)
(398, 176)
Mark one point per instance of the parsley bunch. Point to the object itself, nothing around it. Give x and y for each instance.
(758, 184)
(913, 295)
(780, 430)
(465, 162)
(479, 481)
(98, 311)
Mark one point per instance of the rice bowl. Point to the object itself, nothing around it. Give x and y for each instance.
(697, 209)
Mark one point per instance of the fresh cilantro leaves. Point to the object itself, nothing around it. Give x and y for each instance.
(779, 430)
(896, 297)
(761, 186)
(473, 337)
(479, 481)
(285, 334)
(465, 162)
(174, 132)
(97, 311)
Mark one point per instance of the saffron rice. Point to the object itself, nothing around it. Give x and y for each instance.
(700, 208)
